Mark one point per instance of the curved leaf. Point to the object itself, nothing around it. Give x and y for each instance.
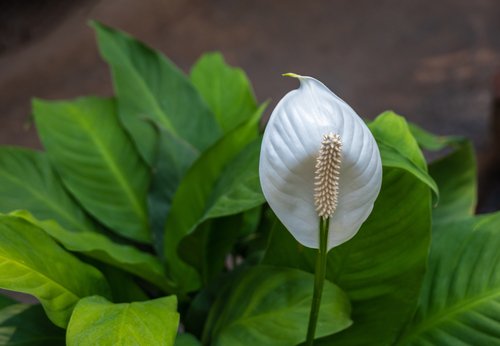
(399, 148)
(31, 262)
(173, 158)
(456, 176)
(270, 306)
(192, 199)
(96, 321)
(186, 339)
(430, 141)
(149, 86)
(100, 247)
(238, 187)
(225, 89)
(27, 325)
(460, 300)
(27, 181)
(97, 161)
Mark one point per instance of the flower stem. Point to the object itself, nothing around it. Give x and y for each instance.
(319, 279)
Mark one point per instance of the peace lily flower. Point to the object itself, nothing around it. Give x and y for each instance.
(319, 160)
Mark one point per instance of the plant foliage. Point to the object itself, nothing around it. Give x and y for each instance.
(142, 222)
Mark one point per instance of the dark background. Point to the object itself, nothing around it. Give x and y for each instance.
(433, 61)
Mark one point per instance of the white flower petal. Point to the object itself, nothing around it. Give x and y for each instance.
(290, 146)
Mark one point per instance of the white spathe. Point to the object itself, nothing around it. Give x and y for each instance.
(290, 146)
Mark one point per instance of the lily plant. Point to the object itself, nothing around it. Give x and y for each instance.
(320, 172)
(144, 219)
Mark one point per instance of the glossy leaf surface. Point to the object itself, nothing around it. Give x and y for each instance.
(192, 199)
(27, 181)
(225, 89)
(27, 325)
(97, 161)
(96, 321)
(149, 86)
(460, 300)
(31, 262)
(270, 306)
(101, 248)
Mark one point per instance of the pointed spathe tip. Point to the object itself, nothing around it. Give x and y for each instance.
(293, 75)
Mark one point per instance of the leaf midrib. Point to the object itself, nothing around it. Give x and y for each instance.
(161, 114)
(246, 317)
(36, 272)
(42, 198)
(445, 314)
(102, 150)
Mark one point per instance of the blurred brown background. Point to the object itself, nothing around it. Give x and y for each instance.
(433, 61)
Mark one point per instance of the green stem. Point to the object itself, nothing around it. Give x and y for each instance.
(319, 279)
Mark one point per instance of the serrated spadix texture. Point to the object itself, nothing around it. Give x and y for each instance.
(291, 144)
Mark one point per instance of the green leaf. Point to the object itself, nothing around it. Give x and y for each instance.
(27, 181)
(101, 248)
(186, 339)
(460, 300)
(5, 301)
(193, 198)
(238, 187)
(398, 147)
(270, 306)
(456, 176)
(96, 321)
(149, 86)
(430, 141)
(31, 262)
(382, 267)
(225, 89)
(97, 161)
(207, 247)
(124, 289)
(23, 324)
(173, 159)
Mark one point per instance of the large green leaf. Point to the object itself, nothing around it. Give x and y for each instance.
(31, 262)
(398, 147)
(193, 198)
(27, 181)
(27, 325)
(382, 267)
(100, 247)
(186, 339)
(173, 159)
(430, 141)
(5, 300)
(124, 287)
(96, 321)
(270, 306)
(238, 187)
(460, 300)
(97, 161)
(149, 86)
(226, 90)
(456, 176)
(206, 249)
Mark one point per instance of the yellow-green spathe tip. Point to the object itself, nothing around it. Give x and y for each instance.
(293, 75)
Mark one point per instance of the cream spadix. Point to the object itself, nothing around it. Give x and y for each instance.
(318, 159)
